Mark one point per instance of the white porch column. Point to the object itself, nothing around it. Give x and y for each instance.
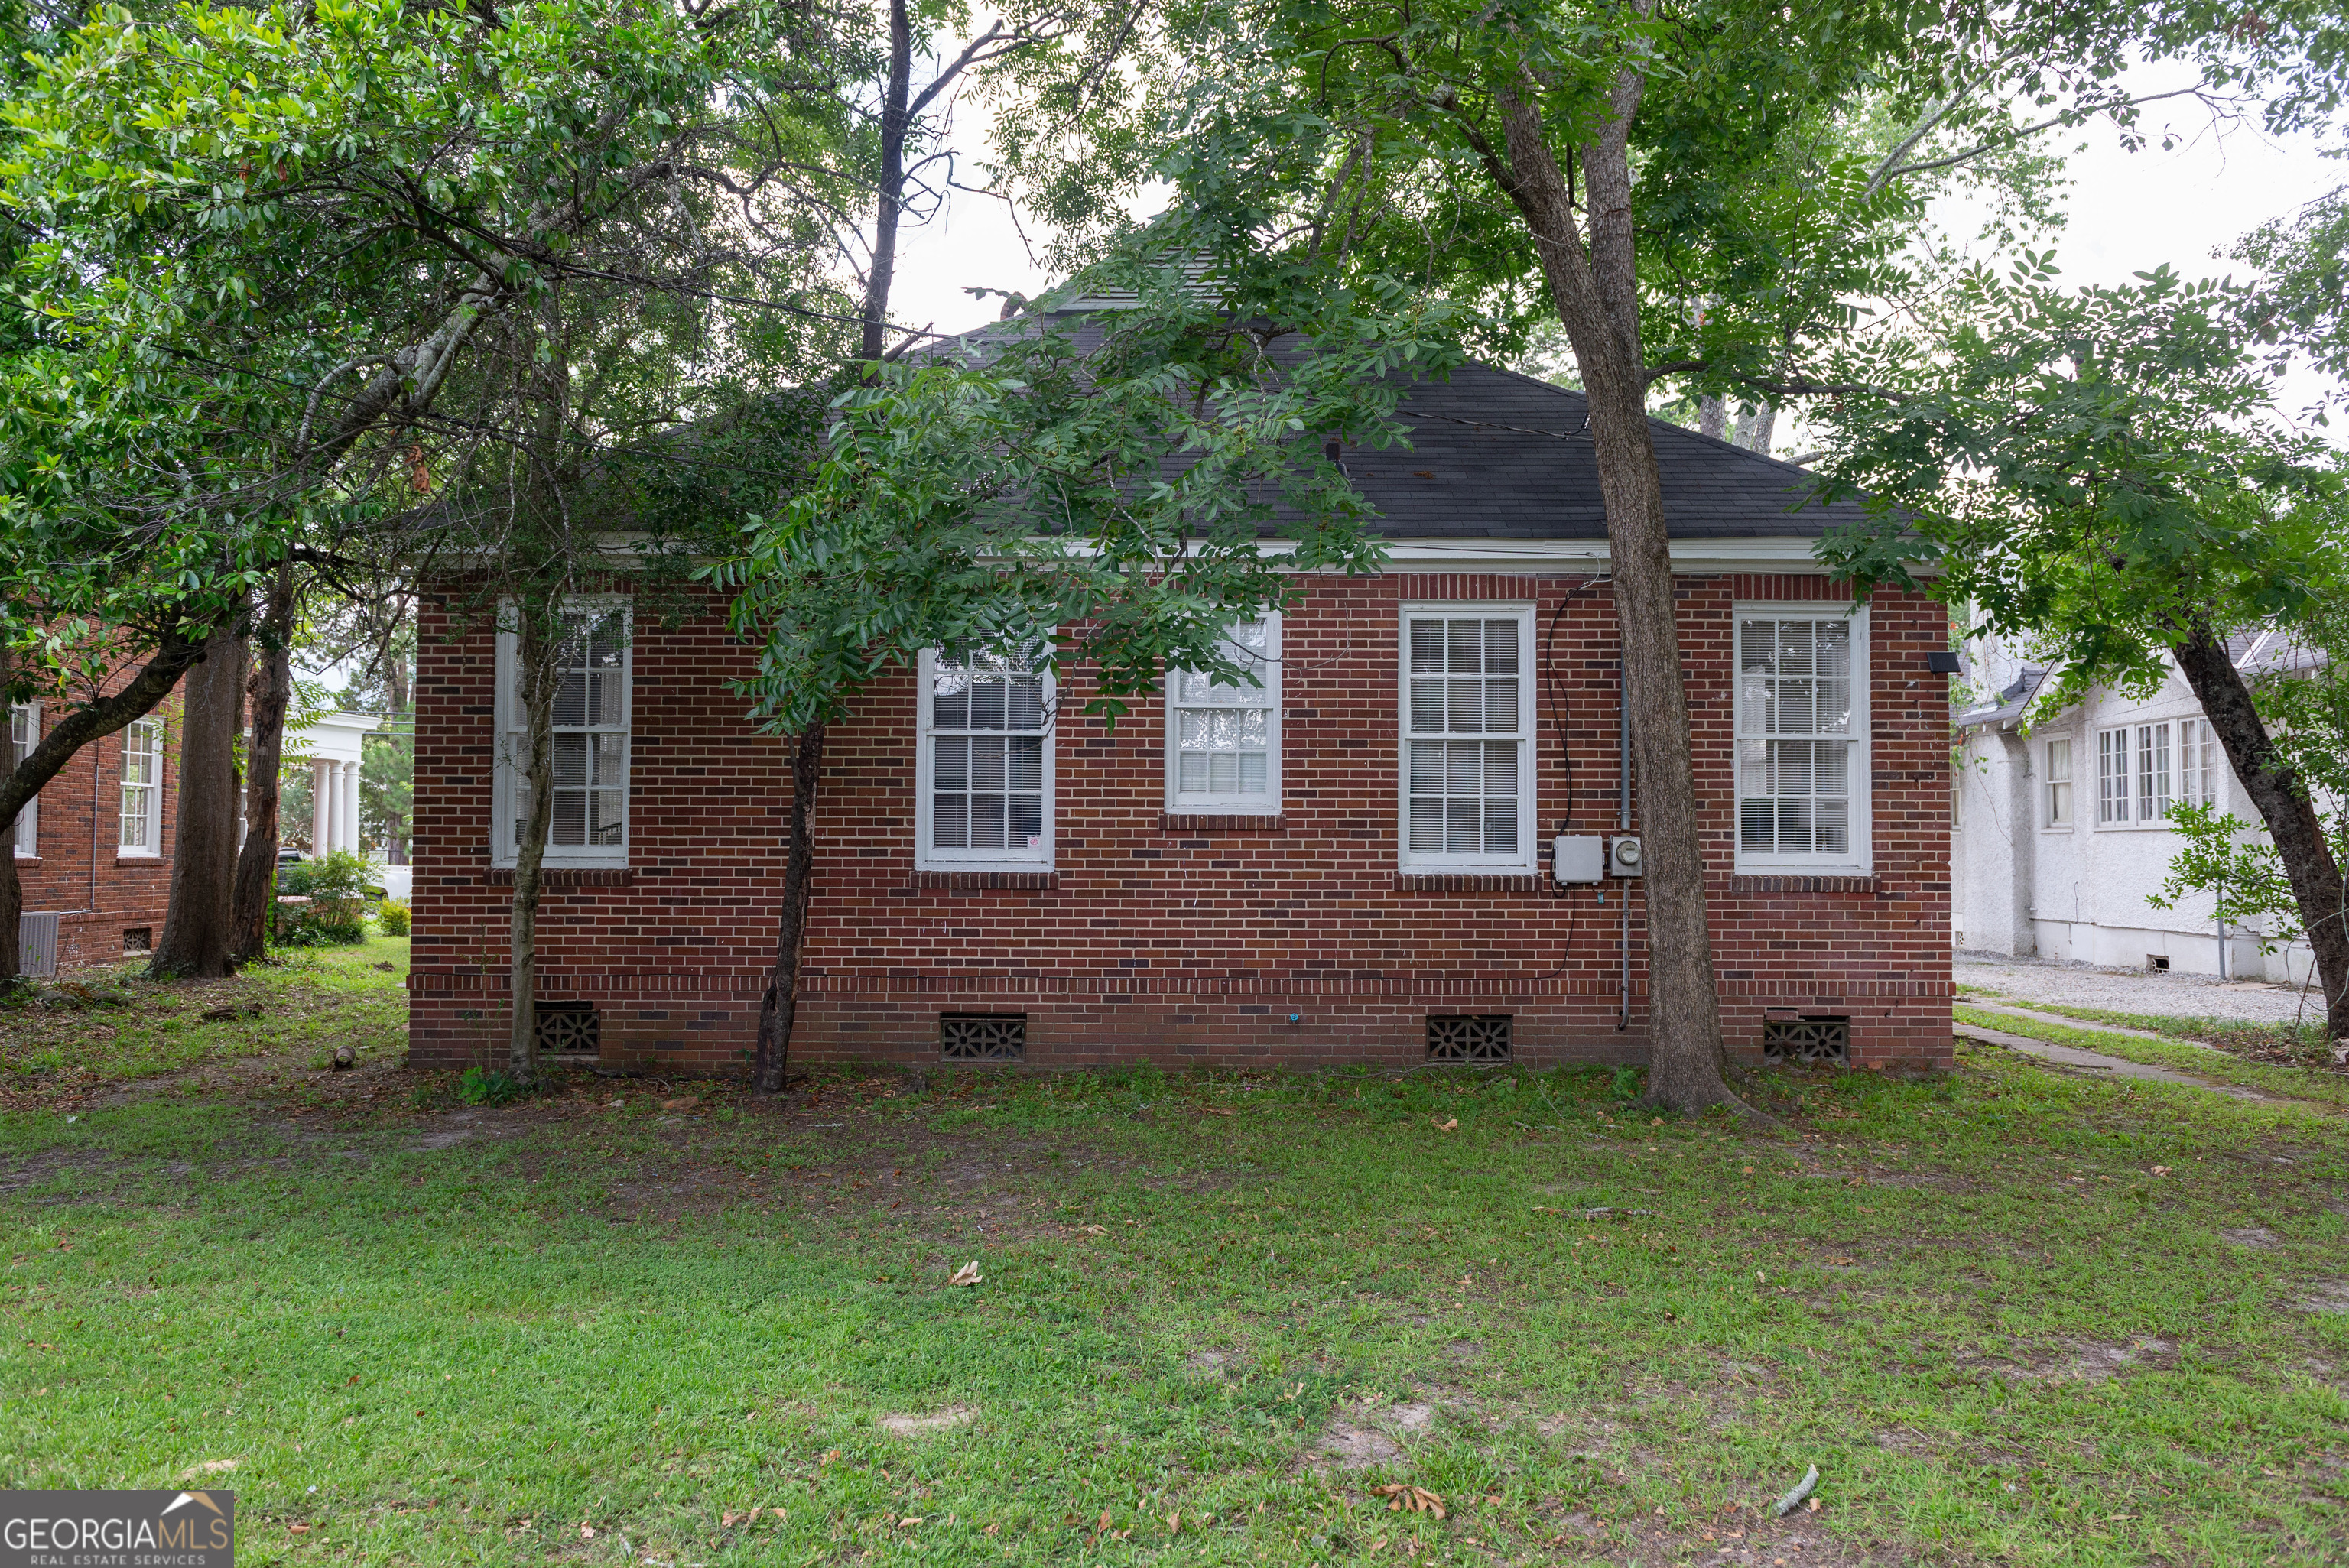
(351, 807)
(321, 807)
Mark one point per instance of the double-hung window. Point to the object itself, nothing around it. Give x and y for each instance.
(2059, 784)
(24, 735)
(142, 788)
(594, 662)
(985, 762)
(1223, 738)
(2153, 795)
(2204, 771)
(2113, 777)
(1467, 738)
(1802, 739)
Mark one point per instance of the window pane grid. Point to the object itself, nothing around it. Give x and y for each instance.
(590, 808)
(1794, 746)
(2152, 772)
(1225, 731)
(1464, 793)
(142, 773)
(987, 720)
(23, 737)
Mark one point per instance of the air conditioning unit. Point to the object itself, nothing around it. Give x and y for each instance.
(1624, 858)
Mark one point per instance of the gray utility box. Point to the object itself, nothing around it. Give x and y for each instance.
(1578, 857)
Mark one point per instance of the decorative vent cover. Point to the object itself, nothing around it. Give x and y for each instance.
(1808, 1040)
(983, 1036)
(570, 1029)
(1469, 1037)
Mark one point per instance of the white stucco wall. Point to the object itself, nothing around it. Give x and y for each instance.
(2081, 894)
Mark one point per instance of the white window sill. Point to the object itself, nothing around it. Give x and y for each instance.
(1225, 807)
(926, 863)
(1803, 869)
(1468, 868)
(137, 855)
(568, 863)
(2059, 828)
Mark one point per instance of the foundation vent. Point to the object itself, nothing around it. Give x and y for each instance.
(573, 1029)
(983, 1036)
(1469, 1037)
(1809, 1041)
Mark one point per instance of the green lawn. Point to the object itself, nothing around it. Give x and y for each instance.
(2012, 1316)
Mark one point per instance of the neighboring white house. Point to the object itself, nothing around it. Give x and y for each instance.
(331, 745)
(2061, 831)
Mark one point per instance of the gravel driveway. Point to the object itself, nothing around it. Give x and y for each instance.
(2134, 990)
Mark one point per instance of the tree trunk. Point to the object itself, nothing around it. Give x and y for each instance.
(136, 700)
(1597, 294)
(1711, 416)
(896, 119)
(272, 688)
(2282, 799)
(195, 941)
(780, 1007)
(538, 641)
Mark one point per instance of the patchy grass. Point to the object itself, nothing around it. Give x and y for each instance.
(2012, 1316)
(2303, 1045)
(2327, 1084)
(61, 1041)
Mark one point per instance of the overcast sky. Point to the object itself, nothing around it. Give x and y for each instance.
(2130, 211)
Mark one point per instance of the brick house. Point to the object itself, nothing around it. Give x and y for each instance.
(94, 851)
(1351, 863)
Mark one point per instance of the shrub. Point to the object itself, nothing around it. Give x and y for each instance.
(482, 1085)
(392, 915)
(337, 886)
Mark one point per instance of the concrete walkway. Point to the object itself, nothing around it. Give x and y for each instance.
(2091, 1061)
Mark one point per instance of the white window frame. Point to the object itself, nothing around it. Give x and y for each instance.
(150, 727)
(929, 858)
(2116, 777)
(513, 741)
(2157, 762)
(2203, 768)
(1858, 856)
(2063, 809)
(1263, 802)
(24, 735)
(1528, 783)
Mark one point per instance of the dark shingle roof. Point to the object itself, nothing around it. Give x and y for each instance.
(1498, 455)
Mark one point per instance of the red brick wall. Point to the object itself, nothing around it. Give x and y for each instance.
(99, 892)
(1172, 939)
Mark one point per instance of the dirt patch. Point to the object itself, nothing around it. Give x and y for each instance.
(2329, 1296)
(1351, 1446)
(1214, 1362)
(944, 1421)
(2089, 1361)
(2258, 1236)
(1736, 1538)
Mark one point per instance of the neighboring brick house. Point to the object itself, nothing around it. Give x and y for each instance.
(1351, 865)
(94, 849)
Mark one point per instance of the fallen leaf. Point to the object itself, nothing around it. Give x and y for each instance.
(298, 1530)
(1451, 1126)
(1216, 1111)
(1174, 1523)
(966, 1274)
(1813, 1505)
(684, 1102)
(587, 1532)
(1096, 1230)
(725, 1522)
(2161, 1169)
(910, 1522)
(991, 1530)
